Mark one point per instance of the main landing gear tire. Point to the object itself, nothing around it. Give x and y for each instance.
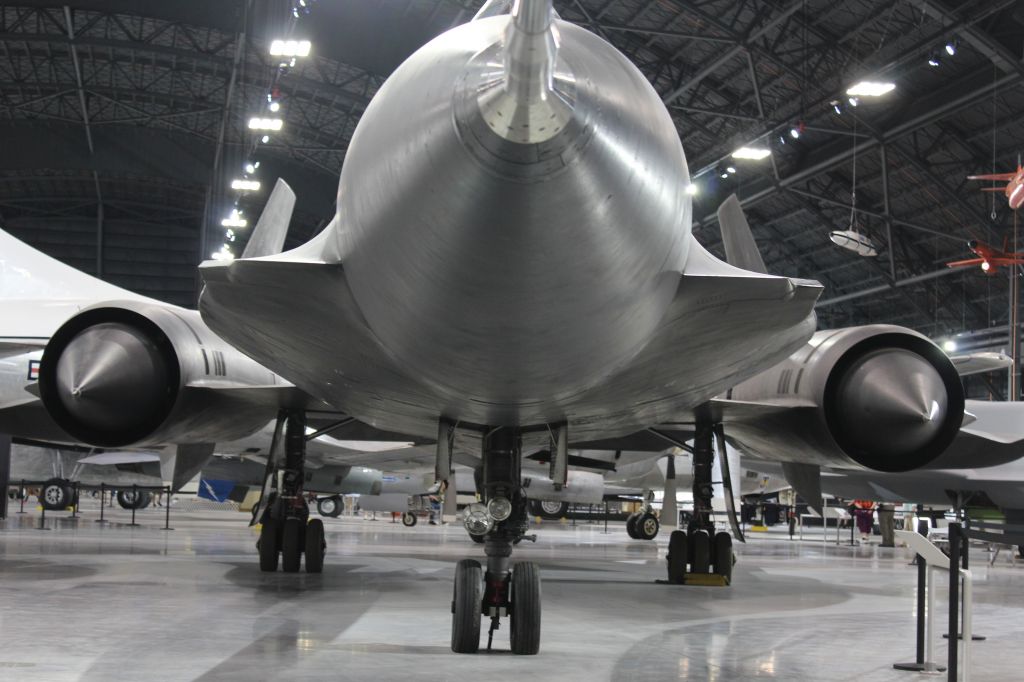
(722, 554)
(329, 506)
(467, 599)
(677, 557)
(701, 552)
(55, 495)
(524, 608)
(291, 545)
(647, 526)
(408, 519)
(315, 546)
(631, 525)
(269, 546)
(134, 499)
(549, 509)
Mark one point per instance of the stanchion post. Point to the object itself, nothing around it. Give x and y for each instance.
(103, 503)
(606, 516)
(24, 494)
(167, 509)
(922, 578)
(74, 502)
(954, 601)
(135, 502)
(42, 519)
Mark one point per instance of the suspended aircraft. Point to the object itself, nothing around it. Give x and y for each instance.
(989, 258)
(1014, 189)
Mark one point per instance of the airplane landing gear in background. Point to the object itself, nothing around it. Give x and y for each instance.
(56, 494)
(329, 506)
(503, 589)
(644, 525)
(287, 532)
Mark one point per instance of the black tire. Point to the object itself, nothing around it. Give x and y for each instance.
(478, 539)
(55, 495)
(315, 546)
(677, 557)
(269, 545)
(701, 552)
(524, 598)
(134, 499)
(329, 506)
(548, 509)
(631, 525)
(1020, 550)
(408, 519)
(722, 555)
(467, 597)
(647, 527)
(291, 545)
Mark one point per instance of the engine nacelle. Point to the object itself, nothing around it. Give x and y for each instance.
(878, 397)
(134, 373)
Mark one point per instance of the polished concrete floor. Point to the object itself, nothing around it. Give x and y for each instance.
(90, 601)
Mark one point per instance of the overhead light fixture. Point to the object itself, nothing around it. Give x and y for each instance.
(952, 46)
(836, 107)
(234, 220)
(290, 48)
(853, 101)
(782, 139)
(691, 189)
(275, 106)
(870, 89)
(852, 240)
(730, 169)
(265, 139)
(258, 123)
(245, 185)
(751, 153)
(724, 176)
(250, 167)
(934, 59)
(223, 254)
(949, 346)
(794, 133)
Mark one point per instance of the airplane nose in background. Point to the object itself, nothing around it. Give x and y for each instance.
(892, 401)
(109, 376)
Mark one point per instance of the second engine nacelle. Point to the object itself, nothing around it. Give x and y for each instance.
(133, 373)
(879, 397)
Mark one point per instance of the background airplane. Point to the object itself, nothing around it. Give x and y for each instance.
(1014, 189)
(989, 257)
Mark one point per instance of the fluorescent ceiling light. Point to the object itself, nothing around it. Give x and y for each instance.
(691, 189)
(223, 254)
(752, 153)
(730, 169)
(949, 346)
(258, 123)
(290, 48)
(234, 222)
(870, 89)
(245, 185)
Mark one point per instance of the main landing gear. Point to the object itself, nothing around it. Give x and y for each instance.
(504, 588)
(287, 533)
(699, 553)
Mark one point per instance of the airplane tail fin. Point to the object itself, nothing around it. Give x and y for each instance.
(740, 248)
(268, 236)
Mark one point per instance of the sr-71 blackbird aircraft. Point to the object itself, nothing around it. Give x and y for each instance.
(510, 269)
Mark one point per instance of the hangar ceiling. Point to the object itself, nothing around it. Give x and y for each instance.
(123, 122)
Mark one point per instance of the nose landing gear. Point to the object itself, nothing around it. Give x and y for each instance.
(503, 589)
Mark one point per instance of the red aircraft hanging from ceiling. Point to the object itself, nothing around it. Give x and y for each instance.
(1014, 189)
(989, 257)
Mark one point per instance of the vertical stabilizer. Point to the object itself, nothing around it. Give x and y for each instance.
(268, 236)
(740, 248)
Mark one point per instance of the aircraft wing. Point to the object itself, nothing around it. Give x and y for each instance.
(993, 176)
(978, 363)
(965, 263)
